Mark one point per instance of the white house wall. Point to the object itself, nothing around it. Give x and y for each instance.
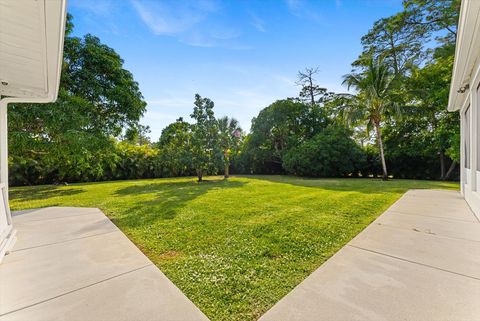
(470, 178)
(467, 53)
(31, 52)
(31, 48)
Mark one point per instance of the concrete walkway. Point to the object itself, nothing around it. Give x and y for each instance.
(420, 260)
(75, 264)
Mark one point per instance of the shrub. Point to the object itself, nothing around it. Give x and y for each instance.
(118, 160)
(331, 153)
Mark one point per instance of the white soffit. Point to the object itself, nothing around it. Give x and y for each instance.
(467, 52)
(31, 48)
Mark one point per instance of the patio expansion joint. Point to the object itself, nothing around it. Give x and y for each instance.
(433, 216)
(48, 219)
(413, 262)
(425, 233)
(76, 290)
(64, 241)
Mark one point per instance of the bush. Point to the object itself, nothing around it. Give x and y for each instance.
(372, 165)
(118, 160)
(331, 153)
(275, 130)
(136, 161)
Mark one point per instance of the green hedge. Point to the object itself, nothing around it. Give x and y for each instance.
(331, 153)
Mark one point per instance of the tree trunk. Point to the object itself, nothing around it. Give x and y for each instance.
(200, 175)
(380, 147)
(226, 173)
(312, 96)
(396, 67)
(442, 165)
(227, 170)
(450, 170)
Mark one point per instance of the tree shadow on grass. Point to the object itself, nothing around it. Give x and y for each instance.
(165, 199)
(42, 192)
(358, 185)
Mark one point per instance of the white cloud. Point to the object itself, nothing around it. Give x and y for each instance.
(100, 14)
(294, 4)
(191, 22)
(301, 9)
(172, 17)
(257, 23)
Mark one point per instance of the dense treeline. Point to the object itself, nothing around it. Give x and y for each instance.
(394, 125)
(398, 114)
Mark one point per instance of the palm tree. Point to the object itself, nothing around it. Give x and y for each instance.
(229, 137)
(375, 86)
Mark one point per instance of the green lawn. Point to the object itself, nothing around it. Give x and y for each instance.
(233, 247)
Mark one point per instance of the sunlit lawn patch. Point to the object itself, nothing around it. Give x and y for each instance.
(233, 247)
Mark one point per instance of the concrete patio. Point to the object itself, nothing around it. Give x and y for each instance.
(418, 261)
(75, 264)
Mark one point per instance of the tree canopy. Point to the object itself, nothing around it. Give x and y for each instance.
(98, 99)
(93, 130)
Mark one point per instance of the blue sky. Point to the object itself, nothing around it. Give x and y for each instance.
(242, 54)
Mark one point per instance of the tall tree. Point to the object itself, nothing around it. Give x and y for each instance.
(311, 93)
(435, 15)
(175, 146)
(205, 149)
(230, 135)
(399, 43)
(137, 135)
(424, 133)
(428, 122)
(278, 127)
(374, 101)
(97, 99)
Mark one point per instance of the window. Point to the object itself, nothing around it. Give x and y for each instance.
(467, 137)
(477, 126)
